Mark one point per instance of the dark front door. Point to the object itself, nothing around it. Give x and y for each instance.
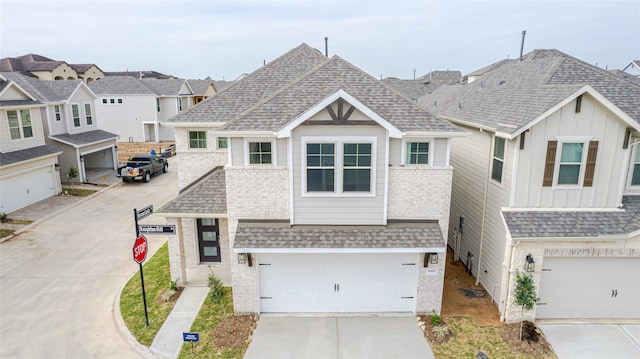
(208, 240)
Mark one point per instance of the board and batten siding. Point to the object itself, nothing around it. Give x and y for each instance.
(345, 210)
(80, 97)
(594, 122)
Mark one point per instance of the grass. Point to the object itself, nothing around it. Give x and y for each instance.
(156, 280)
(468, 338)
(5, 232)
(208, 317)
(78, 192)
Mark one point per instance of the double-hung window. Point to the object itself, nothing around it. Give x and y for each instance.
(498, 159)
(197, 139)
(76, 115)
(570, 163)
(356, 171)
(260, 153)
(19, 124)
(56, 110)
(179, 104)
(223, 143)
(417, 153)
(87, 113)
(157, 104)
(635, 177)
(321, 167)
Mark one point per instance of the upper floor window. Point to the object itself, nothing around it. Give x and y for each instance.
(260, 153)
(19, 124)
(570, 163)
(417, 153)
(635, 178)
(87, 114)
(320, 167)
(356, 170)
(179, 104)
(158, 104)
(105, 101)
(197, 139)
(223, 143)
(76, 115)
(498, 159)
(56, 110)
(574, 161)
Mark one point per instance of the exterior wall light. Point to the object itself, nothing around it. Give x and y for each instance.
(242, 258)
(430, 258)
(529, 264)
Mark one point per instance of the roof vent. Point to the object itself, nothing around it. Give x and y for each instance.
(502, 82)
(459, 105)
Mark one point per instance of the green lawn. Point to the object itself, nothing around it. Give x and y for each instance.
(156, 280)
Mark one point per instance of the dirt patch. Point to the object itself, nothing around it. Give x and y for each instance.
(533, 343)
(426, 323)
(234, 332)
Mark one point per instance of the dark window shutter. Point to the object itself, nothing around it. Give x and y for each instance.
(591, 164)
(549, 163)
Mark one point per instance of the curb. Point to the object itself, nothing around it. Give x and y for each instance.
(50, 215)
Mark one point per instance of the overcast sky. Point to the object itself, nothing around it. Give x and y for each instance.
(392, 38)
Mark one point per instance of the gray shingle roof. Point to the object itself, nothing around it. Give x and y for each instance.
(332, 75)
(138, 74)
(559, 224)
(208, 194)
(515, 92)
(43, 90)
(84, 138)
(394, 235)
(411, 89)
(16, 103)
(7, 158)
(164, 87)
(119, 85)
(200, 87)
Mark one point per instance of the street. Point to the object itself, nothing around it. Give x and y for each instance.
(59, 280)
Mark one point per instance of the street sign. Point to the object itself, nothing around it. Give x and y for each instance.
(191, 337)
(145, 212)
(140, 249)
(157, 229)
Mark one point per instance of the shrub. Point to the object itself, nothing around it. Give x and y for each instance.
(167, 294)
(173, 284)
(435, 319)
(441, 331)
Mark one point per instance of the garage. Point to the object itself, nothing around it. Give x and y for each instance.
(337, 282)
(589, 288)
(27, 188)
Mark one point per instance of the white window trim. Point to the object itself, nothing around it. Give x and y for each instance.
(223, 149)
(583, 162)
(274, 151)
(504, 160)
(403, 151)
(84, 108)
(632, 163)
(20, 127)
(57, 114)
(180, 104)
(79, 116)
(206, 140)
(339, 142)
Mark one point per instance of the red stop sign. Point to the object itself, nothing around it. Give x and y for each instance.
(140, 249)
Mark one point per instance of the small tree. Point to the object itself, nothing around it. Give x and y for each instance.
(217, 295)
(71, 174)
(525, 294)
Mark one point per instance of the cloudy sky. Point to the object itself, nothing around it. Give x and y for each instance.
(392, 38)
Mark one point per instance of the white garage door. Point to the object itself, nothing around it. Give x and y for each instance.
(328, 283)
(25, 189)
(606, 288)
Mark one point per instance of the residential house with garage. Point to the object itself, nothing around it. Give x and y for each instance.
(548, 181)
(312, 187)
(70, 124)
(28, 166)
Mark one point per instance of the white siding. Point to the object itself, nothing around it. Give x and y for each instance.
(8, 145)
(126, 119)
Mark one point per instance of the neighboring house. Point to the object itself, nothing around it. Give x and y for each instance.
(633, 68)
(314, 188)
(136, 109)
(45, 68)
(70, 124)
(445, 77)
(414, 89)
(140, 74)
(28, 167)
(549, 176)
(202, 90)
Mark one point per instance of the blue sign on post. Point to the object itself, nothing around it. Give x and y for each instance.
(191, 337)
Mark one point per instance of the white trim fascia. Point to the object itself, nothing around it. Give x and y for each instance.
(24, 107)
(13, 83)
(286, 131)
(82, 84)
(84, 144)
(194, 124)
(560, 209)
(593, 93)
(341, 250)
(506, 136)
(291, 190)
(96, 150)
(514, 173)
(268, 134)
(385, 194)
(434, 134)
(469, 124)
(572, 239)
(629, 159)
(190, 215)
(6, 167)
(448, 157)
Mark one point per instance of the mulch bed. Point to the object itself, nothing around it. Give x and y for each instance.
(237, 332)
(533, 343)
(428, 330)
(173, 298)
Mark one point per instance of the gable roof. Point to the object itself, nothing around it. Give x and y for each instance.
(139, 74)
(9, 158)
(200, 87)
(513, 94)
(206, 195)
(119, 85)
(85, 138)
(47, 90)
(166, 87)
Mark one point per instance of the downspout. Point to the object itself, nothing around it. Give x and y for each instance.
(484, 209)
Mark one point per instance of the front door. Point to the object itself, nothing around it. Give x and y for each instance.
(208, 240)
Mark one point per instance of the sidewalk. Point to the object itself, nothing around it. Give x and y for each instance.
(168, 341)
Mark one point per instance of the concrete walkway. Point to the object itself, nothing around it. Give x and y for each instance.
(596, 341)
(344, 337)
(168, 341)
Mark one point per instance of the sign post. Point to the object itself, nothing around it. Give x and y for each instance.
(140, 253)
(190, 338)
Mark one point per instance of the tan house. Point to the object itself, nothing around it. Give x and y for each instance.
(45, 68)
(548, 181)
(309, 186)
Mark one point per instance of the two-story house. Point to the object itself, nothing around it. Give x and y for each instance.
(45, 68)
(70, 124)
(548, 182)
(315, 188)
(28, 166)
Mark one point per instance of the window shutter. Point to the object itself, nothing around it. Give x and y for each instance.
(550, 163)
(591, 164)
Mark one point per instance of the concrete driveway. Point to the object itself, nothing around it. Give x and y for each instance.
(596, 341)
(338, 337)
(59, 279)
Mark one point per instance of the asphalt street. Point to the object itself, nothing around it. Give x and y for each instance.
(59, 280)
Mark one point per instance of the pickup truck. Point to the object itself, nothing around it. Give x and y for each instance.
(142, 167)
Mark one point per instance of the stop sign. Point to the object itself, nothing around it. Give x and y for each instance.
(140, 249)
